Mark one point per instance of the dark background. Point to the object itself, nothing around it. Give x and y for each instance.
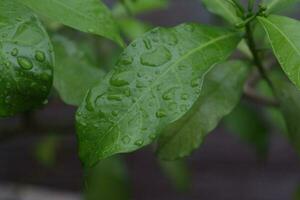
(224, 168)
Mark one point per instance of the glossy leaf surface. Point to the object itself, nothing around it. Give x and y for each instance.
(26, 60)
(222, 90)
(75, 72)
(90, 16)
(155, 81)
(284, 36)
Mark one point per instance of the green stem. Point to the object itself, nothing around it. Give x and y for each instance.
(256, 58)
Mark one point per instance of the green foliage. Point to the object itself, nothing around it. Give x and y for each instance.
(225, 9)
(26, 60)
(289, 97)
(75, 71)
(155, 82)
(283, 34)
(172, 85)
(278, 5)
(247, 124)
(221, 91)
(136, 7)
(178, 173)
(107, 180)
(91, 16)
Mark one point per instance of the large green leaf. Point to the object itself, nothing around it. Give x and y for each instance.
(284, 36)
(155, 81)
(248, 125)
(75, 72)
(289, 97)
(222, 90)
(277, 5)
(90, 16)
(108, 180)
(26, 60)
(223, 8)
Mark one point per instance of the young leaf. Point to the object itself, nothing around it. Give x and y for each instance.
(90, 16)
(222, 90)
(133, 28)
(74, 72)
(108, 180)
(224, 9)
(26, 60)
(178, 173)
(248, 125)
(284, 36)
(289, 97)
(277, 5)
(156, 80)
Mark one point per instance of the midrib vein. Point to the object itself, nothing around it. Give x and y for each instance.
(163, 74)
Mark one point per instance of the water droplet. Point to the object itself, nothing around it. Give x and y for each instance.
(184, 96)
(126, 139)
(189, 27)
(40, 56)
(114, 113)
(125, 60)
(152, 136)
(157, 57)
(114, 97)
(25, 63)
(14, 52)
(147, 43)
(115, 80)
(195, 82)
(127, 92)
(139, 142)
(161, 113)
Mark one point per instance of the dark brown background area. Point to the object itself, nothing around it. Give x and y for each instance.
(224, 168)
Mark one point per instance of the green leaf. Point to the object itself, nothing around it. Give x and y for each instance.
(90, 16)
(284, 36)
(136, 7)
(108, 180)
(224, 9)
(248, 124)
(155, 81)
(26, 60)
(75, 72)
(222, 90)
(133, 28)
(278, 5)
(178, 173)
(289, 97)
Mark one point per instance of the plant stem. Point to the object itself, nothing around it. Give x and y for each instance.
(256, 58)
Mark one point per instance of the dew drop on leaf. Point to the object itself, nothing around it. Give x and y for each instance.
(161, 113)
(126, 139)
(14, 52)
(157, 57)
(139, 142)
(25, 63)
(40, 56)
